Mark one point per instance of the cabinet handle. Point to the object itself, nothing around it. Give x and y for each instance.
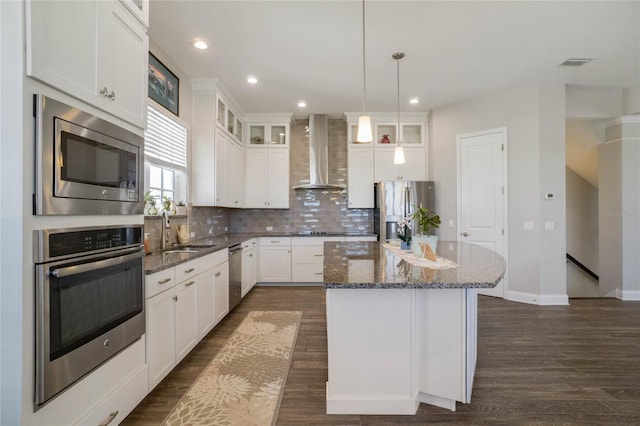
(217, 274)
(109, 418)
(112, 96)
(175, 298)
(190, 283)
(275, 242)
(251, 255)
(104, 91)
(166, 280)
(318, 255)
(189, 270)
(317, 273)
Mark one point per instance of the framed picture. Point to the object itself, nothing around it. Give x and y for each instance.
(163, 85)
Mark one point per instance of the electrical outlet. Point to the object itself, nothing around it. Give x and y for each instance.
(210, 231)
(450, 223)
(193, 235)
(528, 225)
(549, 225)
(269, 228)
(360, 228)
(226, 229)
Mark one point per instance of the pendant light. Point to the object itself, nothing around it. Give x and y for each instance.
(364, 121)
(398, 155)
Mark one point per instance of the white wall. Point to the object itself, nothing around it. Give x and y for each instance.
(11, 213)
(582, 141)
(582, 220)
(523, 112)
(593, 103)
(610, 223)
(631, 99)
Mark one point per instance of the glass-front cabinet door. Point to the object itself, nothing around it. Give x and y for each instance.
(231, 122)
(278, 135)
(238, 133)
(411, 133)
(256, 134)
(386, 133)
(222, 112)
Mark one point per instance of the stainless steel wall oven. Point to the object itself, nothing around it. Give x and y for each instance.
(89, 301)
(85, 165)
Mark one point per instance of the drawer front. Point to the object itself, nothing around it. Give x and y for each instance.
(250, 244)
(190, 269)
(159, 282)
(275, 241)
(313, 241)
(306, 273)
(306, 254)
(361, 238)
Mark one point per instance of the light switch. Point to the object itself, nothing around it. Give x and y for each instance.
(450, 223)
(549, 225)
(528, 225)
(269, 228)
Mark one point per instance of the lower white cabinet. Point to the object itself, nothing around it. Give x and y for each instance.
(220, 291)
(179, 315)
(307, 258)
(249, 265)
(186, 306)
(275, 259)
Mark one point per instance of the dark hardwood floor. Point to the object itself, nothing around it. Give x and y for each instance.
(561, 365)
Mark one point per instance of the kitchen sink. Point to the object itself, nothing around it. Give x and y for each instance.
(198, 246)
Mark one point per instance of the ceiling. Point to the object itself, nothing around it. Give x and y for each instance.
(312, 50)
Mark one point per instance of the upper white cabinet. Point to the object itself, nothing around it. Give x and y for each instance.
(228, 120)
(95, 51)
(267, 178)
(273, 134)
(139, 9)
(217, 156)
(386, 133)
(415, 167)
(360, 177)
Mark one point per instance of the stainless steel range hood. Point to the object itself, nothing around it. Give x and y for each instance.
(319, 154)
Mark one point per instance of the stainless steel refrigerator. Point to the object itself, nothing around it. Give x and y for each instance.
(396, 200)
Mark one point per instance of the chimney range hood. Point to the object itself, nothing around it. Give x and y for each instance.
(319, 154)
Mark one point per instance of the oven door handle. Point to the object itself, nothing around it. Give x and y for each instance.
(86, 267)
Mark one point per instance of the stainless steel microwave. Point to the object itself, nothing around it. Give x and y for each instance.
(84, 164)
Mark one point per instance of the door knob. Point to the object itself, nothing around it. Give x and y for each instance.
(464, 234)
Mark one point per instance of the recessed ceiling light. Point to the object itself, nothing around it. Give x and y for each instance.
(576, 62)
(302, 104)
(251, 79)
(200, 45)
(414, 100)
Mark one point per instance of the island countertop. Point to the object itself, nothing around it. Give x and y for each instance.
(369, 265)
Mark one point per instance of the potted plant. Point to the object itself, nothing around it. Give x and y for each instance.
(167, 204)
(181, 208)
(403, 230)
(150, 204)
(426, 221)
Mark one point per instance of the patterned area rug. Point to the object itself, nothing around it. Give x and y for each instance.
(244, 383)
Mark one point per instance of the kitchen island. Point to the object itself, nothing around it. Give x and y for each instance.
(398, 332)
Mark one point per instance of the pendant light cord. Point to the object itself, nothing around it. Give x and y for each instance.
(364, 67)
(397, 57)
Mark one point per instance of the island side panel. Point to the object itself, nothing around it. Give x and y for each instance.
(442, 357)
(371, 337)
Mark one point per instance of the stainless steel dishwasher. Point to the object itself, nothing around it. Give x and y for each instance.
(235, 275)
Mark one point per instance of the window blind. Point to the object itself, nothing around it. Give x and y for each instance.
(165, 140)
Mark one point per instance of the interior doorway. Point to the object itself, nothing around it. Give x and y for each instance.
(482, 194)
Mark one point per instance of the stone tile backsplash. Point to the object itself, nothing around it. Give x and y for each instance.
(310, 210)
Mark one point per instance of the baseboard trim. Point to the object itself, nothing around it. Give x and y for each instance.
(537, 299)
(628, 295)
(289, 284)
(438, 401)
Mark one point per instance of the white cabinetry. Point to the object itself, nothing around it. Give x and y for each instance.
(415, 167)
(267, 178)
(95, 51)
(179, 315)
(217, 157)
(360, 183)
(249, 265)
(139, 9)
(229, 171)
(271, 134)
(307, 257)
(275, 259)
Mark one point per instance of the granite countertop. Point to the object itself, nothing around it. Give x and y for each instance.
(369, 265)
(159, 260)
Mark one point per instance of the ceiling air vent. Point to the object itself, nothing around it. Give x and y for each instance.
(576, 62)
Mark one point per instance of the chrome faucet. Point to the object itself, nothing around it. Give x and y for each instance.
(166, 228)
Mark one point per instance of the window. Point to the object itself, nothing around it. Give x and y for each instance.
(165, 153)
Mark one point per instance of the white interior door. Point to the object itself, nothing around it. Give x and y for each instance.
(482, 193)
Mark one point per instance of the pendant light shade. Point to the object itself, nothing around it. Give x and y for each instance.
(398, 155)
(364, 121)
(364, 129)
